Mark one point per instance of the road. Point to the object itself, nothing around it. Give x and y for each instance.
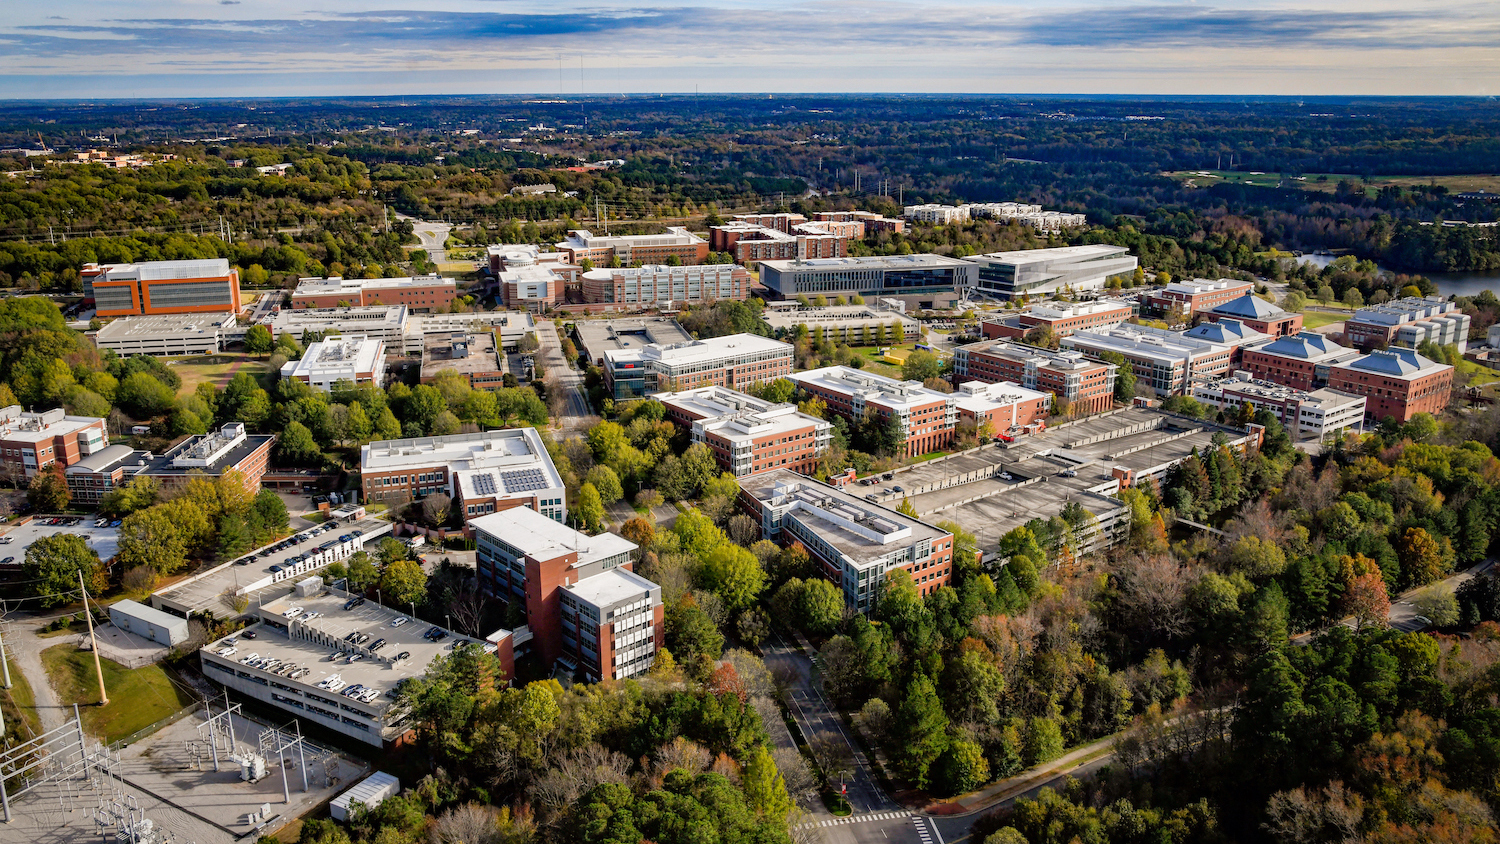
(432, 236)
(1403, 613)
(579, 416)
(25, 649)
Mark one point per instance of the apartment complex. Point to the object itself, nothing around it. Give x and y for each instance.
(1396, 383)
(1316, 414)
(1409, 323)
(871, 221)
(1087, 385)
(30, 442)
(94, 476)
(471, 355)
(483, 473)
(212, 454)
(656, 285)
(856, 544)
(1302, 361)
(894, 275)
(1028, 215)
(735, 361)
(1258, 314)
(1038, 272)
(200, 285)
(420, 294)
(1063, 318)
(587, 611)
(856, 325)
(751, 242)
(1165, 361)
(749, 435)
(602, 250)
(357, 359)
(1191, 297)
(926, 417)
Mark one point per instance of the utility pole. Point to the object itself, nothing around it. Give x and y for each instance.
(93, 643)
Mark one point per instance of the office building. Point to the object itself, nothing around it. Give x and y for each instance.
(536, 288)
(1197, 296)
(856, 325)
(736, 361)
(472, 355)
(587, 611)
(1258, 314)
(1409, 323)
(1228, 332)
(1301, 361)
(1063, 318)
(658, 285)
(509, 327)
(420, 294)
(95, 476)
(356, 359)
(483, 473)
(751, 242)
(856, 543)
(749, 435)
(168, 335)
(1316, 415)
(201, 285)
(926, 417)
(1008, 409)
(1088, 386)
(894, 275)
(871, 221)
(511, 256)
(212, 455)
(391, 324)
(30, 442)
(1397, 383)
(1165, 361)
(632, 249)
(1041, 272)
(597, 336)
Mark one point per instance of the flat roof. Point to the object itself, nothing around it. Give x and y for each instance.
(888, 391)
(1062, 359)
(479, 354)
(336, 355)
(610, 587)
(715, 349)
(165, 270)
(1034, 256)
(585, 239)
(1162, 345)
(979, 397)
(162, 464)
(833, 315)
(24, 426)
(505, 448)
(344, 319)
(602, 335)
(332, 285)
(103, 459)
(871, 262)
(163, 326)
(538, 536)
(737, 416)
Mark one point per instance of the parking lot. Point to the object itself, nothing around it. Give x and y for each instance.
(15, 538)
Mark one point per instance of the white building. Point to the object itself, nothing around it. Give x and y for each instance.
(736, 361)
(482, 472)
(1036, 272)
(168, 335)
(357, 359)
(1306, 415)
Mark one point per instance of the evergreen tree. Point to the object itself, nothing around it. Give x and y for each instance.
(924, 730)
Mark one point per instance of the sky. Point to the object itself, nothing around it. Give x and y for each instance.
(245, 48)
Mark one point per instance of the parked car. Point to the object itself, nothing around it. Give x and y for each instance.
(249, 634)
(400, 621)
(402, 655)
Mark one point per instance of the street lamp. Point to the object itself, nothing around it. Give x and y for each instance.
(413, 610)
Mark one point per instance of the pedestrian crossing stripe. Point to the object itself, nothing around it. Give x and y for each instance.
(878, 816)
(922, 831)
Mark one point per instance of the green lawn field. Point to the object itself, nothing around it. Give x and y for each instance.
(137, 697)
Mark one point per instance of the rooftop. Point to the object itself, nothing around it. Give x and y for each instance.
(165, 325)
(164, 270)
(705, 352)
(874, 388)
(600, 335)
(1045, 358)
(1226, 332)
(1306, 345)
(874, 262)
(542, 538)
(1140, 342)
(1057, 253)
(1203, 285)
(357, 318)
(461, 352)
(1251, 306)
(105, 459)
(1272, 391)
(1064, 310)
(1396, 362)
(1409, 309)
(610, 587)
(17, 425)
(336, 354)
(737, 416)
(832, 315)
(585, 239)
(505, 449)
(210, 453)
(336, 285)
(978, 397)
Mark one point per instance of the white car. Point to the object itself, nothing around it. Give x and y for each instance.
(292, 613)
(328, 681)
(353, 658)
(228, 651)
(249, 658)
(400, 621)
(336, 685)
(6, 540)
(369, 695)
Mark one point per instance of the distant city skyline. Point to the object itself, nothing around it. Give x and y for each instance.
(247, 48)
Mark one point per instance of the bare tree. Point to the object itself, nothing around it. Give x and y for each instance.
(801, 783)
(680, 753)
(576, 773)
(142, 579)
(470, 823)
(743, 530)
(1153, 596)
(833, 755)
(436, 508)
(753, 673)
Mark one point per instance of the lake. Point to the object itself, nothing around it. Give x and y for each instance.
(1448, 284)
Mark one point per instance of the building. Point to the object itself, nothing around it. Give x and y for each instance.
(632, 249)
(1087, 386)
(1063, 318)
(1165, 361)
(871, 221)
(657, 285)
(509, 327)
(1040, 272)
(212, 455)
(30, 442)
(856, 325)
(736, 361)
(935, 214)
(894, 275)
(483, 473)
(1009, 410)
(1028, 215)
(300, 660)
(357, 359)
(1397, 383)
(420, 294)
(201, 285)
(856, 543)
(95, 476)
(1191, 297)
(587, 611)
(148, 623)
(749, 435)
(390, 324)
(1409, 323)
(1316, 415)
(536, 288)
(370, 793)
(751, 242)
(168, 335)
(473, 356)
(1257, 314)
(510, 256)
(1228, 332)
(926, 417)
(1302, 361)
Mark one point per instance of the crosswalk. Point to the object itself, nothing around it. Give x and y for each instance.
(876, 816)
(922, 830)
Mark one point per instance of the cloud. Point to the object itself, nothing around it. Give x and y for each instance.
(229, 2)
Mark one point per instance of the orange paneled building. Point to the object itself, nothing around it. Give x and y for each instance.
(207, 285)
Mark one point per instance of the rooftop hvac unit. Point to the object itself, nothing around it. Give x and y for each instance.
(309, 587)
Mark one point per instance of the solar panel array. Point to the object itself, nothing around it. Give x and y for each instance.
(524, 480)
(484, 484)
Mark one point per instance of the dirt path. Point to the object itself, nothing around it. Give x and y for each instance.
(26, 652)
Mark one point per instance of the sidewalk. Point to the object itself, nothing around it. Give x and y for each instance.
(1003, 790)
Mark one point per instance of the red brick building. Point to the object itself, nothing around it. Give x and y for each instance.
(1396, 383)
(635, 249)
(212, 455)
(1257, 313)
(1009, 409)
(749, 435)
(926, 417)
(1302, 361)
(1063, 318)
(1087, 385)
(30, 442)
(420, 294)
(1197, 296)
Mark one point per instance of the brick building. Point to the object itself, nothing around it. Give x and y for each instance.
(587, 611)
(1302, 361)
(212, 454)
(483, 472)
(1396, 383)
(420, 294)
(1063, 318)
(735, 361)
(871, 221)
(1191, 297)
(1010, 409)
(200, 285)
(1258, 314)
(1228, 332)
(30, 442)
(749, 435)
(926, 417)
(1165, 361)
(1087, 385)
(95, 476)
(654, 285)
(633, 249)
(471, 354)
(1409, 323)
(751, 242)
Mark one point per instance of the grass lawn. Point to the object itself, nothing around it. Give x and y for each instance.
(1317, 319)
(1457, 183)
(217, 369)
(19, 703)
(137, 697)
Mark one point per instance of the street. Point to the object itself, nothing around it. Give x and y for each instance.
(579, 416)
(432, 236)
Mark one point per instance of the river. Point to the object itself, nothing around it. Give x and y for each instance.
(1448, 284)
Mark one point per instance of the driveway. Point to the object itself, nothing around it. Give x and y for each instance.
(25, 649)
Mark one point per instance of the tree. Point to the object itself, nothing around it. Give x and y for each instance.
(690, 632)
(641, 531)
(1423, 558)
(403, 582)
(1124, 376)
(734, 574)
(588, 510)
(53, 563)
(921, 365)
(820, 605)
(152, 538)
(1367, 600)
(143, 396)
(386, 427)
(963, 767)
(906, 508)
(607, 482)
(1042, 741)
(362, 572)
(297, 446)
(48, 491)
(258, 340)
(1042, 336)
(924, 730)
(765, 789)
(436, 508)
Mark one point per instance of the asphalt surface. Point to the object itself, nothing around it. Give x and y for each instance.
(579, 416)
